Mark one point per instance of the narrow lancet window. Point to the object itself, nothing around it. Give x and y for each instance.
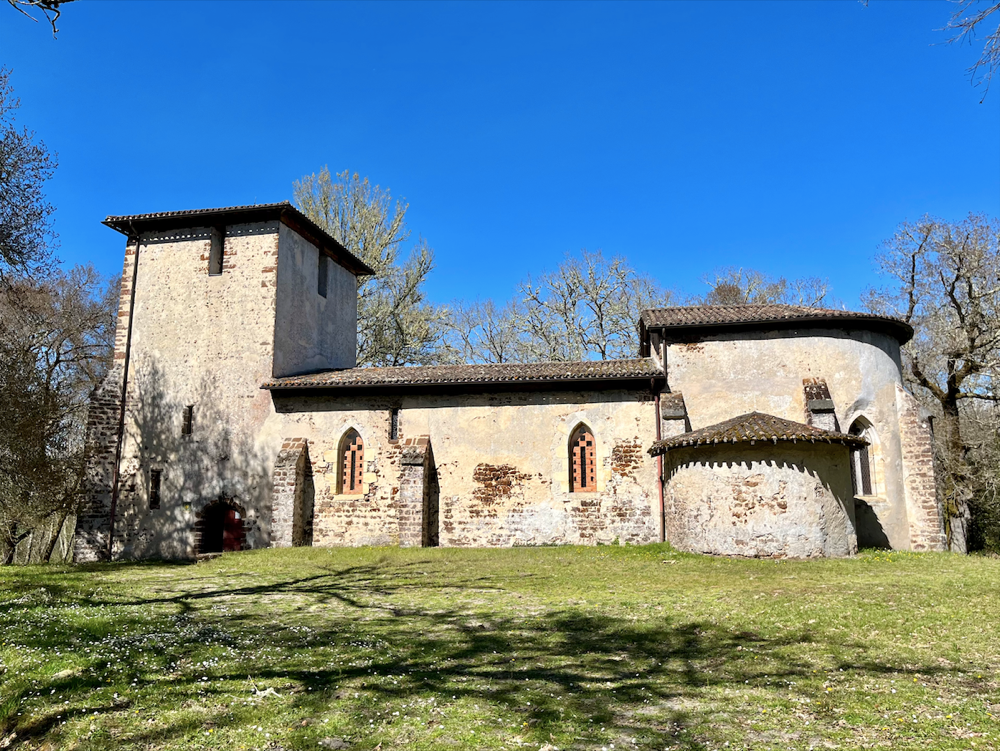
(216, 246)
(582, 461)
(394, 424)
(188, 423)
(861, 463)
(352, 462)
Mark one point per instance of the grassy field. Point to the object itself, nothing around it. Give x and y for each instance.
(552, 648)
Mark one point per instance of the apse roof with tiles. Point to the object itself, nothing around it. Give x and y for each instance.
(133, 224)
(751, 428)
(709, 318)
(593, 372)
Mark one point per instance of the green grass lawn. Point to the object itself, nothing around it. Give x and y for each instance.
(564, 648)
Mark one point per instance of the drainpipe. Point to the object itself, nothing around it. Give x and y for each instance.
(659, 458)
(116, 476)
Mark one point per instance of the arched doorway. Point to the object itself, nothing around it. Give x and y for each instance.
(220, 528)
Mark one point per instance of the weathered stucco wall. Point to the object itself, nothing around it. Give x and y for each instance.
(768, 500)
(312, 332)
(725, 375)
(500, 469)
(202, 341)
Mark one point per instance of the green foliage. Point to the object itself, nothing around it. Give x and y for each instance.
(25, 216)
(636, 646)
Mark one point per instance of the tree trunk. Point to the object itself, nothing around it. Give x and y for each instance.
(12, 542)
(957, 494)
(54, 538)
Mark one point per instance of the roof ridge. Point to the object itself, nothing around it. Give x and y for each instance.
(189, 212)
(474, 373)
(763, 315)
(752, 427)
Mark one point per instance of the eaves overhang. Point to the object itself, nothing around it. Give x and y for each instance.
(134, 225)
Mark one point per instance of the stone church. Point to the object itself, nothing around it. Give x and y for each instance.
(234, 418)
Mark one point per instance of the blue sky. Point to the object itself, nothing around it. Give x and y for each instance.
(787, 137)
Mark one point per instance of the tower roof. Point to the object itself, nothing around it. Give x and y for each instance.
(135, 224)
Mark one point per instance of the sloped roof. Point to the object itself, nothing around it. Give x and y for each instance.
(753, 427)
(132, 224)
(717, 317)
(593, 371)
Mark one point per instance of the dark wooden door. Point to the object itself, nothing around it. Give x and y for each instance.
(232, 531)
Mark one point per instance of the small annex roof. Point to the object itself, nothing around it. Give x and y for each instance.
(134, 224)
(753, 427)
(585, 373)
(711, 318)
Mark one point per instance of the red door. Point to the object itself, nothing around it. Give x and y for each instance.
(232, 531)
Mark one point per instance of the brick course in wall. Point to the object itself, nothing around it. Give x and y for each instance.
(923, 508)
(93, 522)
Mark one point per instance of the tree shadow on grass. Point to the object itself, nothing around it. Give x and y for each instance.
(370, 641)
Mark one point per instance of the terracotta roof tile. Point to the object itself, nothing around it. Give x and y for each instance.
(262, 207)
(753, 427)
(542, 372)
(767, 316)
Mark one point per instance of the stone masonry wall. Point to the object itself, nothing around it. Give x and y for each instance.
(500, 470)
(202, 341)
(923, 508)
(763, 501)
(287, 492)
(725, 375)
(90, 542)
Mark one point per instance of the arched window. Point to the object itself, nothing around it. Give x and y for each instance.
(582, 463)
(861, 458)
(352, 463)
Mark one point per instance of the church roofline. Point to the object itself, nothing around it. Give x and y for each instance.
(495, 376)
(683, 322)
(135, 224)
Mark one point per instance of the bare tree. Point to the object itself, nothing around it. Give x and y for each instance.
(396, 325)
(585, 310)
(966, 21)
(25, 216)
(56, 340)
(738, 286)
(483, 332)
(946, 284)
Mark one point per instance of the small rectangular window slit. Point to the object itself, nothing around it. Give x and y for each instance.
(322, 274)
(188, 423)
(394, 424)
(216, 247)
(154, 488)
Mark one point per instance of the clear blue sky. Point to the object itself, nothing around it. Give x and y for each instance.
(788, 137)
